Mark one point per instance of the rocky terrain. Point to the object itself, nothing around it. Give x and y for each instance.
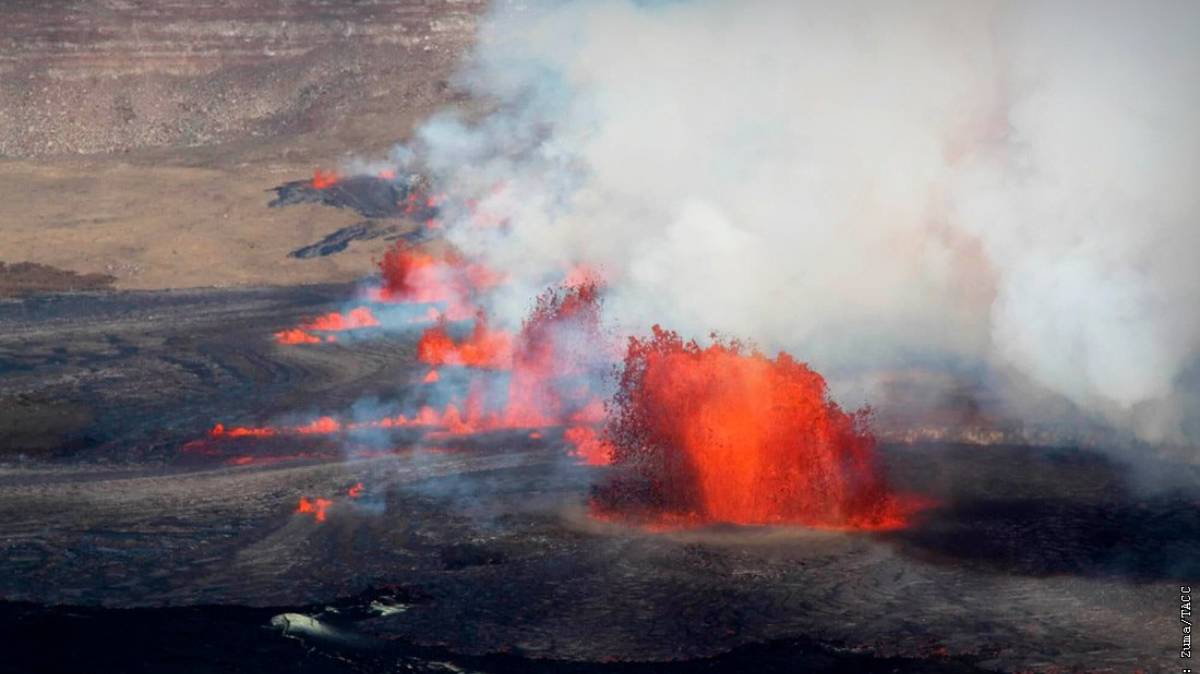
(117, 75)
(113, 495)
(138, 139)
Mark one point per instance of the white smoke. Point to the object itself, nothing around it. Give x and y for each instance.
(863, 184)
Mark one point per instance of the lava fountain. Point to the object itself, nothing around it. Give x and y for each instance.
(724, 434)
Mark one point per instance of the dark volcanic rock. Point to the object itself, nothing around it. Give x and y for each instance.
(238, 639)
(339, 240)
(1032, 560)
(369, 196)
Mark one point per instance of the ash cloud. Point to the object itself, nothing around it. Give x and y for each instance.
(1008, 186)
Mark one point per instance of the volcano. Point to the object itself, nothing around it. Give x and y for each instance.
(598, 338)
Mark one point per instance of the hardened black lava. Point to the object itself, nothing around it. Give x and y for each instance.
(113, 495)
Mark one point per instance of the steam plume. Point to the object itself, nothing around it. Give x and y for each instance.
(864, 184)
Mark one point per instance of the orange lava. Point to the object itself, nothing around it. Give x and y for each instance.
(582, 274)
(554, 358)
(724, 434)
(219, 430)
(416, 277)
(354, 319)
(336, 322)
(404, 271)
(315, 507)
(320, 426)
(589, 447)
(355, 491)
(431, 377)
(555, 367)
(483, 348)
(296, 336)
(323, 179)
(453, 419)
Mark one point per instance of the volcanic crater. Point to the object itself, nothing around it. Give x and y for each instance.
(139, 510)
(227, 444)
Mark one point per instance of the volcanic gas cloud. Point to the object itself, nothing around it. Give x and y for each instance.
(695, 434)
(550, 370)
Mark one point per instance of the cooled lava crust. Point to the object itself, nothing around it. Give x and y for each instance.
(482, 553)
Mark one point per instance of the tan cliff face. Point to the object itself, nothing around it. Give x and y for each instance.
(138, 139)
(96, 77)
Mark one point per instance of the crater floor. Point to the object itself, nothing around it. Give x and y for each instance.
(1031, 559)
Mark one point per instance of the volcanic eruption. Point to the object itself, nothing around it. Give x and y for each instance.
(724, 434)
(677, 337)
(694, 435)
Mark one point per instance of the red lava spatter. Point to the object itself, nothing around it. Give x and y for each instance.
(698, 434)
(719, 433)
(450, 282)
(483, 348)
(316, 507)
(324, 179)
(722, 433)
(552, 365)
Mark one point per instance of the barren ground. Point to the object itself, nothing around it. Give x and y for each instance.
(1032, 559)
(137, 139)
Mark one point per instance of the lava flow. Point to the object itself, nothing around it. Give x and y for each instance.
(695, 434)
(414, 277)
(558, 359)
(315, 507)
(355, 319)
(724, 434)
(554, 367)
(324, 179)
(483, 348)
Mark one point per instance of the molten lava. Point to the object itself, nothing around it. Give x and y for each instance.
(404, 274)
(324, 179)
(219, 430)
(483, 348)
(589, 447)
(336, 322)
(414, 277)
(296, 336)
(320, 426)
(355, 319)
(315, 507)
(725, 434)
(557, 358)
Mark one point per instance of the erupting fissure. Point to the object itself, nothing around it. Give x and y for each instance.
(724, 434)
(315, 507)
(450, 282)
(695, 434)
(483, 348)
(324, 179)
